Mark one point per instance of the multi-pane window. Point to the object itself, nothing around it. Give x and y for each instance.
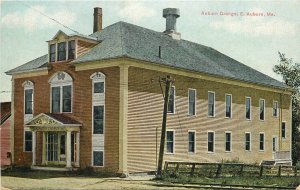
(71, 49)
(61, 48)
(248, 107)
(261, 141)
(98, 87)
(248, 141)
(192, 141)
(98, 119)
(262, 109)
(67, 98)
(192, 102)
(171, 105)
(283, 132)
(275, 108)
(28, 101)
(228, 105)
(227, 141)
(211, 104)
(98, 158)
(210, 141)
(61, 98)
(170, 141)
(28, 141)
(52, 52)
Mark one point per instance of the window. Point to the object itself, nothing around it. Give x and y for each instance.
(170, 141)
(28, 101)
(228, 141)
(274, 144)
(192, 141)
(61, 92)
(65, 101)
(248, 108)
(228, 106)
(261, 141)
(98, 158)
(210, 141)
(52, 52)
(283, 132)
(28, 141)
(192, 102)
(71, 49)
(61, 48)
(262, 109)
(98, 119)
(171, 105)
(99, 87)
(275, 109)
(248, 141)
(211, 104)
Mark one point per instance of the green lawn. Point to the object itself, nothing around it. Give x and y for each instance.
(248, 181)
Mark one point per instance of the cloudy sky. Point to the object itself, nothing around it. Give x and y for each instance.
(228, 26)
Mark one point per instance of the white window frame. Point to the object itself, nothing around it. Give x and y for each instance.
(174, 106)
(264, 141)
(93, 120)
(230, 105)
(277, 110)
(67, 49)
(214, 113)
(192, 131)
(248, 97)
(96, 166)
(229, 132)
(284, 130)
(28, 85)
(261, 99)
(214, 142)
(250, 142)
(26, 129)
(192, 89)
(56, 83)
(166, 151)
(55, 59)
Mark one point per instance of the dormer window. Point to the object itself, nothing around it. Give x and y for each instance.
(52, 52)
(61, 54)
(71, 47)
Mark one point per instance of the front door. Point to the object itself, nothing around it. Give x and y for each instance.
(56, 147)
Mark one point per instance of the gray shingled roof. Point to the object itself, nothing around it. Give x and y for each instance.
(127, 40)
(38, 63)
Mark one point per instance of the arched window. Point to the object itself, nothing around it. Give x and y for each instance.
(98, 115)
(61, 92)
(28, 97)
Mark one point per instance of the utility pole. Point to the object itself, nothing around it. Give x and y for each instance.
(168, 81)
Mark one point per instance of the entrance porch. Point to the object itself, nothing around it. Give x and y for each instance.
(60, 140)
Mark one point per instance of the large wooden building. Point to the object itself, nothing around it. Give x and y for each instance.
(95, 101)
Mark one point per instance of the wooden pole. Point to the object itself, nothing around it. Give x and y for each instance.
(168, 82)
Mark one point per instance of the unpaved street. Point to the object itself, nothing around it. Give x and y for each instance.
(65, 183)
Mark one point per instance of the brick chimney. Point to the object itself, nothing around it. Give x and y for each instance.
(97, 19)
(171, 14)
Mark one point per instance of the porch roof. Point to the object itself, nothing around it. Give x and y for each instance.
(53, 122)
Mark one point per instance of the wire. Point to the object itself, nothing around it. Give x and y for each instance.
(65, 26)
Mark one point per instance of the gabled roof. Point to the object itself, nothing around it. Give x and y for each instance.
(127, 40)
(59, 119)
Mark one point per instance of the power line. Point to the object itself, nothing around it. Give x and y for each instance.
(65, 26)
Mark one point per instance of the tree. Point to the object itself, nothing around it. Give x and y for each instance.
(290, 72)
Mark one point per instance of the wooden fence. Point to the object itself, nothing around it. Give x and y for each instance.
(227, 169)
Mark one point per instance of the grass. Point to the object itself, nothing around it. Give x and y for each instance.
(247, 181)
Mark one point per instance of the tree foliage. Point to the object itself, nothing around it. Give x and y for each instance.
(290, 72)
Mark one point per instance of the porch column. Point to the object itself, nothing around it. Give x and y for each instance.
(68, 149)
(33, 148)
(77, 148)
(44, 152)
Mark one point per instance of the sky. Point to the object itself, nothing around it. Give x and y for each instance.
(251, 32)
